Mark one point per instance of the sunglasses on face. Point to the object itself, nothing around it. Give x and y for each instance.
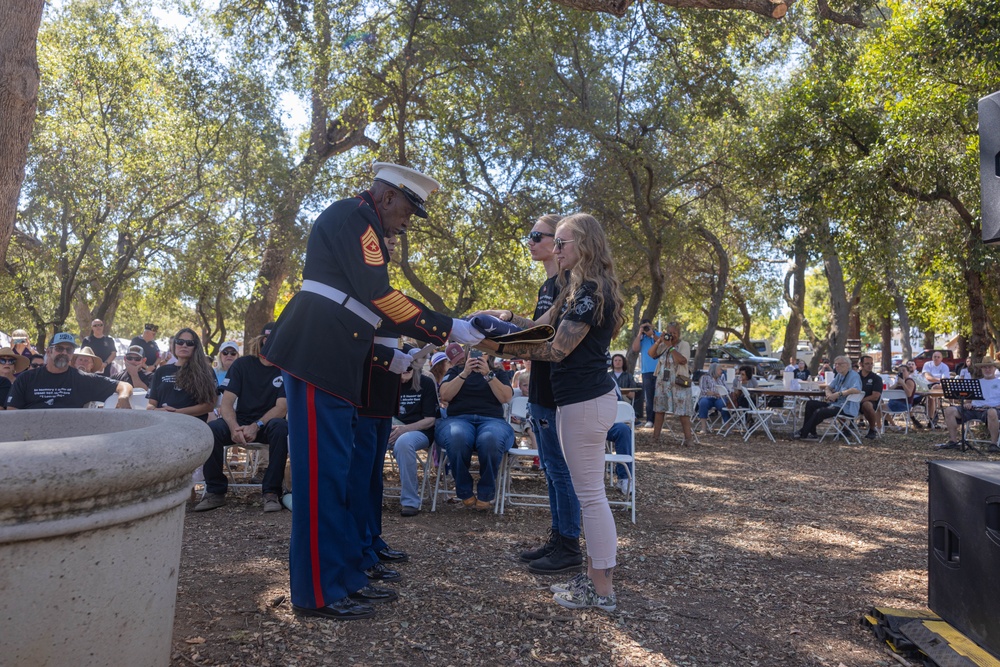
(8, 360)
(184, 342)
(536, 237)
(559, 243)
(133, 357)
(230, 352)
(37, 365)
(64, 349)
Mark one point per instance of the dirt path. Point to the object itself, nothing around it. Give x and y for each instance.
(760, 554)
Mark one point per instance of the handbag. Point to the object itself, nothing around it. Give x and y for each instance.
(682, 381)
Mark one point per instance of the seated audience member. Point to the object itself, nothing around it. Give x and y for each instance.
(871, 384)
(624, 379)
(521, 383)
(621, 437)
(744, 378)
(19, 342)
(522, 425)
(439, 366)
(712, 392)
(934, 371)
(148, 344)
(10, 363)
(86, 361)
(101, 345)
(134, 372)
(907, 384)
(188, 386)
(846, 383)
(801, 370)
(258, 416)
(36, 360)
(59, 385)
(228, 353)
(418, 410)
(792, 366)
(825, 367)
(475, 423)
(983, 410)
(964, 369)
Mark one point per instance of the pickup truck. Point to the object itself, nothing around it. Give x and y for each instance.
(731, 357)
(950, 360)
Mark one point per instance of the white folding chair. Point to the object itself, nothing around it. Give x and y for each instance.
(843, 424)
(626, 415)
(518, 461)
(755, 418)
(895, 394)
(423, 465)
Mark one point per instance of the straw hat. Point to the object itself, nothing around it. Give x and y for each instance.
(21, 362)
(87, 352)
(988, 361)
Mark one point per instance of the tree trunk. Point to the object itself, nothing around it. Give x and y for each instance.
(840, 301)
(929, 334)
(904, 320)
(963, 347)
(717, 296)
(886, 343)
(979, 341)
(796, 274)
(18, 99)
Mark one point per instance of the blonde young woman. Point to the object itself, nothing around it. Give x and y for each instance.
(587, 314)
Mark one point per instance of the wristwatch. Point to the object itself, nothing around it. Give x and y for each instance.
(490, 376)
(260, 424)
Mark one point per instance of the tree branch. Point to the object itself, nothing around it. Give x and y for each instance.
(774, 9)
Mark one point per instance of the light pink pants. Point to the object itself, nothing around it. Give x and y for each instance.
(583, 430)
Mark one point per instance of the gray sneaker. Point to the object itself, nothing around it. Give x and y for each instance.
(577, 581)
(211, 501)
(584, 597)
(271, 503)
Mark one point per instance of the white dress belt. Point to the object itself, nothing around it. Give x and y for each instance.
(388, 341)
(350, 303)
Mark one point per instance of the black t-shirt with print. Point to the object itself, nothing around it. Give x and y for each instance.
(540, 386)
(164, 390)
(4, 391)
(583, 374)
(40, 389)
(415, 405)
(475, 397)
(871, 383)
(102, 347)
(258, 387)
(123, 376)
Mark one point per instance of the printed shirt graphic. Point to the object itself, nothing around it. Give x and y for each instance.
(40, 389)
(583, 374)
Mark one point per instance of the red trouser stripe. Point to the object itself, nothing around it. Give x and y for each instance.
(314, 495)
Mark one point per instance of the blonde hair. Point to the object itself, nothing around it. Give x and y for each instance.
(595, 266)
(550, 220)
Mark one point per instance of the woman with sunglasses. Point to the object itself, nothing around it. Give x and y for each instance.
(228, 353)
(587, 314)
(10, 363)
(187, 385)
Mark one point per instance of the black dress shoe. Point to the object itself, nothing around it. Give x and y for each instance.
(373, 595)
(379, 572)
(341, 610)
(389, 555)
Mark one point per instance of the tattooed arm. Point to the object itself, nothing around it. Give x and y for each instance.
(568, 336)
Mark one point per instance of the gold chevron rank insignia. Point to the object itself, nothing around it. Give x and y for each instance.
(396, 307)
(371, 249)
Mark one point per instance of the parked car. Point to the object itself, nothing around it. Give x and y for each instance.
(734, 356)
(803, 351)
(948, 357)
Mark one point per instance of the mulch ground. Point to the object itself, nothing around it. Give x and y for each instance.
(743, 554)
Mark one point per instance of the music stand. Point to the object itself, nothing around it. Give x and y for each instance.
(963, 390)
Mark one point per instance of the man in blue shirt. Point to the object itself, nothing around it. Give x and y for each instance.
(846, 382)
(643, 341)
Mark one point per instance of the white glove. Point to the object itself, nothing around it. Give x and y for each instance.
(464, 333)
(400, 362)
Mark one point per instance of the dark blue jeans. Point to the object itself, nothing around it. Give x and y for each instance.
(274, 434)
(563, 503)
(462, 435)
(648, 393)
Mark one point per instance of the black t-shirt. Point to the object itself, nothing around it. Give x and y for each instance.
(416, 405)
(151, 348)
(475, 397)
(258, 387)
(583, 374)
(540, 387)
(40, 389)
(871, 383)
(123, 376)
(4, 391)
(102, 347)
(164, 390)
(801, 374)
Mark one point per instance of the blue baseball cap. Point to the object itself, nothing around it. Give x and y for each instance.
(63, 337)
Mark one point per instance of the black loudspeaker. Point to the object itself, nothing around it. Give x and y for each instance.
(963, 570)
(989, 166)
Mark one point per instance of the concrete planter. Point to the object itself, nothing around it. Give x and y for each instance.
(91, 518)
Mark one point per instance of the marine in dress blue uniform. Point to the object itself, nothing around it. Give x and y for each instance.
(344, 298)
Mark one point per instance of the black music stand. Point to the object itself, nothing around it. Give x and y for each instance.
(963, 390)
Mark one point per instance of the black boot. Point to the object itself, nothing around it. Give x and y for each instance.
(544, 550)
(566, 557)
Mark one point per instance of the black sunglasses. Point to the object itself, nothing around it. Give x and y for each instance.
(133, 357)
(536, 237)
(229, 351)
(184, 342)
(38, 365)
(8, 360)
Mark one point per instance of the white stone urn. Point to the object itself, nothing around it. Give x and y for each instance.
(91, 518)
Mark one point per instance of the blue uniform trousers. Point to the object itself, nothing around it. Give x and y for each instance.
(325, 554)
(364, 487)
